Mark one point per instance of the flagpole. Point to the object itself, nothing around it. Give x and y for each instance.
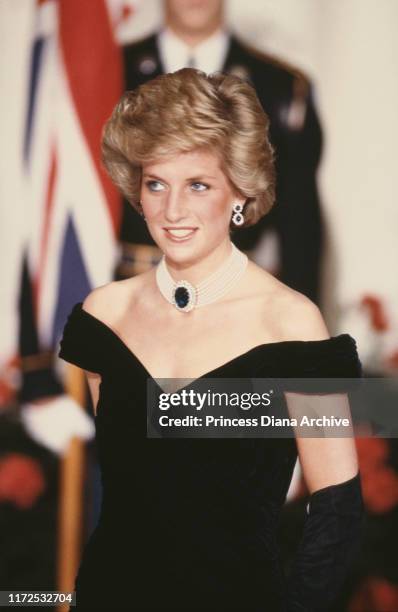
(70, 508)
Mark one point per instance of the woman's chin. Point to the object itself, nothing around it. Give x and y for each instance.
(182, 255)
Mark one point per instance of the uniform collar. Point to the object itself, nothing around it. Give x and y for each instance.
(209, 55)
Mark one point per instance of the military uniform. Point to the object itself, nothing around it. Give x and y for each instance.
(285, 94)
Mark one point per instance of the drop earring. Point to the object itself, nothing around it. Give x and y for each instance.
(237, 217)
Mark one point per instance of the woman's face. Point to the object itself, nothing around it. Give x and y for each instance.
(187, 202)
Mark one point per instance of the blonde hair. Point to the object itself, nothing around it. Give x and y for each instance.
(186, 110)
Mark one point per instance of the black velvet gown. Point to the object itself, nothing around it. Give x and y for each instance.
(190, 524)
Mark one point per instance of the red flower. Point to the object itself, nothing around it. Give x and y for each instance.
(21, 480)
(371, 452)
(375, 595)
(127, 11)
(380, 489)
(378, 317)
(379, 480)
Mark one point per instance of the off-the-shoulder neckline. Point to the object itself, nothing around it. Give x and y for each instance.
(78, 309)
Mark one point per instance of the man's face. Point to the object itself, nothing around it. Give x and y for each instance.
(194, 16)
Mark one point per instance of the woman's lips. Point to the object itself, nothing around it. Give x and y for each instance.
(181, 234)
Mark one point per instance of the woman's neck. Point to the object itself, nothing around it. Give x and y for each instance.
(197, 271)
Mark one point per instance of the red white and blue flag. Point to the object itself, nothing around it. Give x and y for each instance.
(65, 212)
(76, 79)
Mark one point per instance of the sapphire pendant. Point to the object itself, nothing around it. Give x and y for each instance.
(184, 296)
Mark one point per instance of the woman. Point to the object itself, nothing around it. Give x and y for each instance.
(191, 523)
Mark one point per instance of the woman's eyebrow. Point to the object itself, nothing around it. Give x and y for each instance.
(153, 176)
(201, 176)
(189, 179)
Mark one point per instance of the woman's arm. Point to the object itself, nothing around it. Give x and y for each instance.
(330, 458)
(334, 513)
(332, 527)
(324, 460)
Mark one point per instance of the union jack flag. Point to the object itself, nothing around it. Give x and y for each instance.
(65, 212)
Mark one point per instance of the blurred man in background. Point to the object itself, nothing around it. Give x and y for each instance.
(287, 241)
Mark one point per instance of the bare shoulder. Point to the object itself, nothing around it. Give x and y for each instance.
(109, 301)
(296, 317)
(301, 317)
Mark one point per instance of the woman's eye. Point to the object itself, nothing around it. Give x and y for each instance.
(154, 185)
(199, 186)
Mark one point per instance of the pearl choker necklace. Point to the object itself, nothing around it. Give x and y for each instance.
(185, 296)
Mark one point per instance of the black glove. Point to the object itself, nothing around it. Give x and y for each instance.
(330, 542)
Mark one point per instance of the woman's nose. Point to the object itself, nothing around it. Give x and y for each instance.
(175, 208)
